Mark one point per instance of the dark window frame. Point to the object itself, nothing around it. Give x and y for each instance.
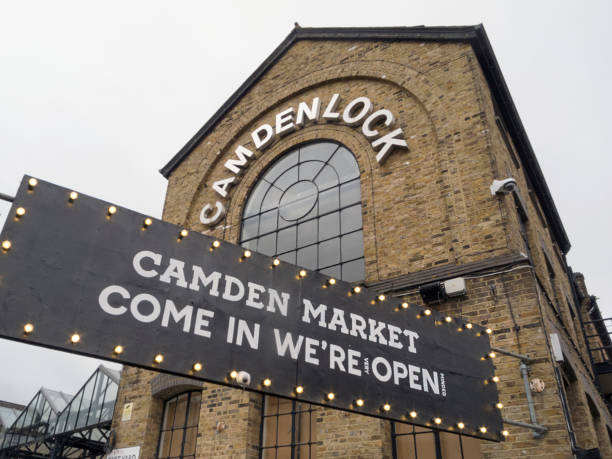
(184, 427)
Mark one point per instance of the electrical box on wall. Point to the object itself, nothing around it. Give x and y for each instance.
(454, 287)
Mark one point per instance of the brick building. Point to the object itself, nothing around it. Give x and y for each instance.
(371, 155)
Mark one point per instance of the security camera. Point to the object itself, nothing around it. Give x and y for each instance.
(243, 378)
(504, 186)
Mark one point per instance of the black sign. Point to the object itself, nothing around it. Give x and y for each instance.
(81, 275)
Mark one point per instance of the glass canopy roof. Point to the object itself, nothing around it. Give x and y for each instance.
(55, 421)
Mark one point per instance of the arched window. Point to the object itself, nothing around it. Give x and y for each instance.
(179, 429)
(306, 209)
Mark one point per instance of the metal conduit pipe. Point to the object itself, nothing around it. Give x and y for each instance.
(6, 197)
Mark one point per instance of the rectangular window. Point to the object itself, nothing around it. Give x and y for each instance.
(288, 429)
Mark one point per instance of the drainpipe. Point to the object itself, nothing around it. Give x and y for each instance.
(538, 430)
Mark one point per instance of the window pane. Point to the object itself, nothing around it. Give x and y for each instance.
(350, 219)
(164, 444)
(289, 257)
(352, 246)
(329, 226)
(320, 151)
(353, 271)
(326, 178)
(310, 169)
(307, 257)
(329, 200)
(267, 222)
(287, 179)
(333, 271)
(269, 433)
(281, 166)
(194, 409)
(271, 199)
(307, 233)
(267, 244)
(299, 199)
(181, 410)
(250, 227)
(329, 252)
(350, 193)
(254, 202)
(177, 443)
(345, 164)
(286, 240)
(190, 441)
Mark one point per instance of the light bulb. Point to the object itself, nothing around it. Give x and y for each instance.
(427, 312)
(216, 244)
(381, 297)
(267, 382)
(299, 390)
(505, 433)
(75, 338)
(488, 331)
(73, 196)
(404, 305)
(247, 253)
(28, 328)
(437, 420)
(233, 374)
(461, 425)
(6, 245)
(413, 414)
(147, 222)
(499, 405)
(118, 349)
(159, 358)
(357, 289)
(32, 183)
(483, 429)
(20, 212)
(468, 326)
(331, 281)
(197, 366)
(303, 273)
(495, 379)
(448, 319)
(275, 262)
(331, 396)
(386, 407)
(359, 402)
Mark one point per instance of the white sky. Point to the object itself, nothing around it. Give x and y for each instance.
(97, 96)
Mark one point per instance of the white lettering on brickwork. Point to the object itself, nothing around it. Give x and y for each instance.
(357, 112)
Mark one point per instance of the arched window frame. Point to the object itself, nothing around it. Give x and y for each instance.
(327, 237)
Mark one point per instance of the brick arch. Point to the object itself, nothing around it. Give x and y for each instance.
(415, 84)
(165, 386)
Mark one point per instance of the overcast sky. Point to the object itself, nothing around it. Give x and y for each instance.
(97, 96)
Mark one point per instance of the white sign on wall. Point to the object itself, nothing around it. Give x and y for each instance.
(124, 453)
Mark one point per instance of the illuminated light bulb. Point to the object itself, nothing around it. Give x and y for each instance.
(468, 326)
(159, 358)
(357, 289)
(183, 234)
(331, 396)
(73, 196)
(505, 433)
(275, 262)
(299, 390)
(32, 183)
(28, 328)
(461, 425)
(75, 338)
(331, 281)
(495, 379)
(112, 210)
(147, 222)
(247, 254)
(386, 407)
(216, 244)
(437, 420)
(20, 212)
(197, 366)
(359, 402)
(448, 319)
(267, 382)
(413, 414)
(492, 355)
(483, 429)
(405, 305)
(118, 349)
(303, 273)
(427, 312)
(6, 245)
(488, 331)
(381, 297)
(233, 374)
(499, 405)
